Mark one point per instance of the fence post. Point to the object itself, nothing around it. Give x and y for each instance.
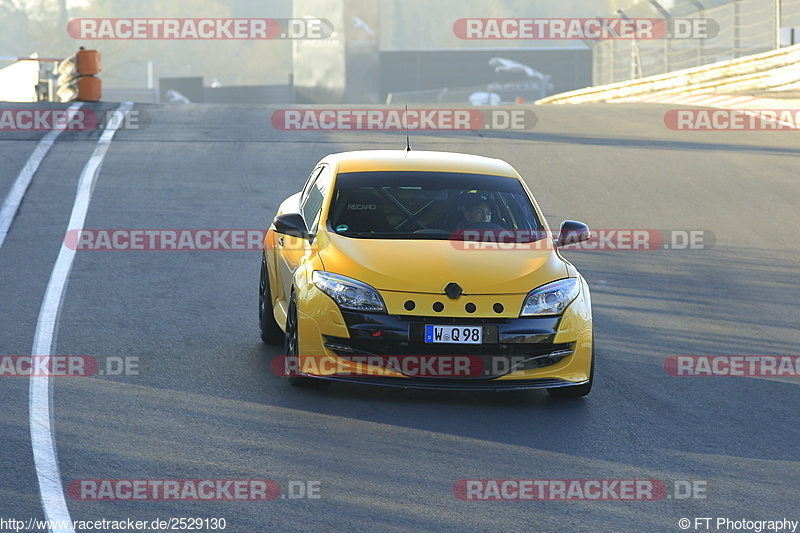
(736, 25)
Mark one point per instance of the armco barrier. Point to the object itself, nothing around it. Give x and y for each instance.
(772, 69)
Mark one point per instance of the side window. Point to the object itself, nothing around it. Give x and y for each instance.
(309, 182)
(311, 205)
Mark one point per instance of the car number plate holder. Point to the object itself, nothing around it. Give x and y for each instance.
(453, 334)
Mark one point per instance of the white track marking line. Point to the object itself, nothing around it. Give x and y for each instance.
(711, 100)
(43, 440)
(735, 103)
(17, 192)
(662, 98)
(697, 100)
(716, 101)
(736, 100)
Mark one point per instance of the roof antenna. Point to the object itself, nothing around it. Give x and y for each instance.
(405, 122)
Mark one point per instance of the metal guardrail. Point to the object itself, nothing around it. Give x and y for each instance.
(731, 29)
(505, 93)
(767, 70)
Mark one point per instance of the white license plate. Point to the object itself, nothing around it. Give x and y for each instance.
(453, 334)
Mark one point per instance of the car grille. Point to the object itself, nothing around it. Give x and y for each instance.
(497, 359)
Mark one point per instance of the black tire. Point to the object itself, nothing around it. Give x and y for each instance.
(291, 349)
(576, 391)
(271, 332)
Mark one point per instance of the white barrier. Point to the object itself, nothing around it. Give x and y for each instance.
(18, 82)
(768, 70)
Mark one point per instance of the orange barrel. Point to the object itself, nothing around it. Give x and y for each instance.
(89, 89)
(88, 62)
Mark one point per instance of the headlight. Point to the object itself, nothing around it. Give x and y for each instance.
(347, 292)
(552, 298)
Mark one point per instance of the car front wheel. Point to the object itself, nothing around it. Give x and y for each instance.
(271, 332)
(291, 346)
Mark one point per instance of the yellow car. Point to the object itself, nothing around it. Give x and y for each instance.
(423, 269)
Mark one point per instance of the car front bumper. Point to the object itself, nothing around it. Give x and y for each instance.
(517, 353)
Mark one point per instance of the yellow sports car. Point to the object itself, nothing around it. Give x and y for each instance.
(428, 270)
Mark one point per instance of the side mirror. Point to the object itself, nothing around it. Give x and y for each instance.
(291, 224)
(572, 232)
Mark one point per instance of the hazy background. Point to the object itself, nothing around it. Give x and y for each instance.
(28, 26)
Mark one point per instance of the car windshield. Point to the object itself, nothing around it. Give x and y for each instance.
(430, 205)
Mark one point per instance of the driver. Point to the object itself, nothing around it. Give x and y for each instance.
(481, 212)
(477, 211)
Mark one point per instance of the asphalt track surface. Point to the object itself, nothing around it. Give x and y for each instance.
(205, 404)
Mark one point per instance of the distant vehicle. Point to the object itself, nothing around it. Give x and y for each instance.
(484, 98)
(512, 81)
(516, 80)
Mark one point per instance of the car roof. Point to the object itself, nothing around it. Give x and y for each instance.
(419, 160)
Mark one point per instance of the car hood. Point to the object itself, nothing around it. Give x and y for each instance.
(427, 266)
